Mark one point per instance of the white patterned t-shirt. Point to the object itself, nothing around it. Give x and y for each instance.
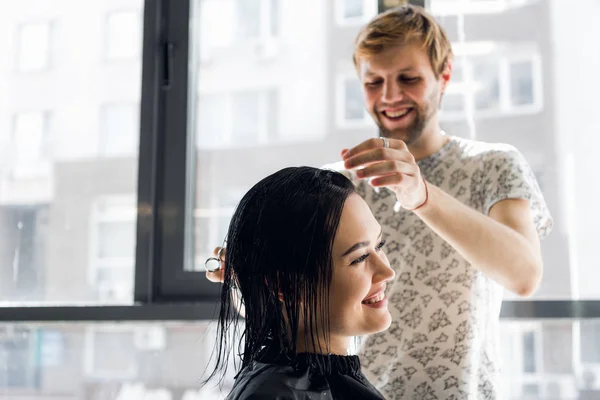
(442, 343)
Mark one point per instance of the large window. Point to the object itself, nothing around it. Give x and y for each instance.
(130, 129)
(64, 237)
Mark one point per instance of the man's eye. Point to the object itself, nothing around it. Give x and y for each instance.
(409, 79)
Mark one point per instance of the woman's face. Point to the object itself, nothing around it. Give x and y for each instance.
(357, 303)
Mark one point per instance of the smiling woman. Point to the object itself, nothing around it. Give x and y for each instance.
(306, 254)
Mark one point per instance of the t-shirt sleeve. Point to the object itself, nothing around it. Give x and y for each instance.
(509, 176)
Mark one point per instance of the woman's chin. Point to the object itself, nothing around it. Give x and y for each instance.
(380, 325)
(386, 323)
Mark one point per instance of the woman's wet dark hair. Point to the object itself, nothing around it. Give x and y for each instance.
(280, 242)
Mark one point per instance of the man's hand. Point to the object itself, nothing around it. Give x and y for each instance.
(393, 167)
(217, 276)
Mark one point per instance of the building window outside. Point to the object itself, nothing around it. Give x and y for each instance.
(112, 245)
(225, 23)
(17, 358)
(355, 12)
(110, 352)
(351, 111)
(119, 129)
(123, 35)
(34, 43)
(493, 86)
(236, 119)
(30, 149)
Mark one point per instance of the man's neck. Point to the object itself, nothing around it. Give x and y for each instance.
(428, 144)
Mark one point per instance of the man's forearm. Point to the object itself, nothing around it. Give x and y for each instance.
(497, 250)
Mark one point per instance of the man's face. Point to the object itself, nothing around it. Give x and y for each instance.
(401, 91)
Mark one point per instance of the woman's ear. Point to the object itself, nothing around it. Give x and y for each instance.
(279, 294)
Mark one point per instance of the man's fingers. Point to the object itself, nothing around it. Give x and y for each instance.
(217, 276)
(377, 155)
(387, 168)
(388, 180)
(222, 250)
(371, 144)
(368, 144)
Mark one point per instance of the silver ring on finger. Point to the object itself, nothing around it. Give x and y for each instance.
(213, 264)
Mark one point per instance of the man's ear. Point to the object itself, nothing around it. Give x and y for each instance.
(446, 74)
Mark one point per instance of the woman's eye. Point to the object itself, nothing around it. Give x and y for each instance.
(364, 257)
(359, 259)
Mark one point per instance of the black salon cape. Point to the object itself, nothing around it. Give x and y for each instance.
(331, 377)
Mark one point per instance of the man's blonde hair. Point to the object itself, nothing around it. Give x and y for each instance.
(400, 26)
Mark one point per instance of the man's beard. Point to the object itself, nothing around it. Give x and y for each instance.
(415, 130)
(408, 135)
